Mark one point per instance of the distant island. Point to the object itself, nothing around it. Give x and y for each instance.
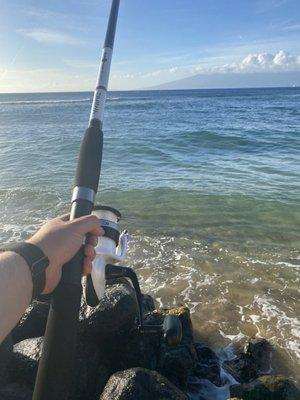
(233, 80)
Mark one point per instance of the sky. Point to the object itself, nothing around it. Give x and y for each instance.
(55, 45)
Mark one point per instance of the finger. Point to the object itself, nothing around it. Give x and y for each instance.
(89, 251)
(87, 266)
(92, 239)
(88, 224)
(64, 217)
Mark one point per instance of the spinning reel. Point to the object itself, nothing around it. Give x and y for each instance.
(111, 249)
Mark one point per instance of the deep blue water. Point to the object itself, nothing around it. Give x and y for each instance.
(209, 185)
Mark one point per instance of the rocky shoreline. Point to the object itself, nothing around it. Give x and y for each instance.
(114, 361)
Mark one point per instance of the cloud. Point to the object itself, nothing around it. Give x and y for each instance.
(291, 28)
(265, 62)
(51, 37)
(281, 61)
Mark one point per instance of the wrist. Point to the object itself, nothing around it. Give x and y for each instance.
(36, 261)
(40, 244)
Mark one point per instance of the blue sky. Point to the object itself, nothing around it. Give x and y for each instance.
(55, 45)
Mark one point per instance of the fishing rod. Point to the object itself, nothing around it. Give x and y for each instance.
(56, 364)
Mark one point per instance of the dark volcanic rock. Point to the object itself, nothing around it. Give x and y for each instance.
(15, 392)
(140, 383)
(115, 314)
(30, 347)
(33, 322)
(243, 368)
(6, 353)
(254, 362)
(208, 365)
(148, 303)
(176, 363)
(261, 352)
(25, 362)
(267, 387)
(106, 335)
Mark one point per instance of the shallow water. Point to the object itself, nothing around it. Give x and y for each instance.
(209, 185)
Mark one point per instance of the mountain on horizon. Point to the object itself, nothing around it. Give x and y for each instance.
(233, 80)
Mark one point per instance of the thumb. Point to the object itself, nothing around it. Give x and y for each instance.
(88, 224)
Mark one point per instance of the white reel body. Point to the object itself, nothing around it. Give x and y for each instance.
(111, 248)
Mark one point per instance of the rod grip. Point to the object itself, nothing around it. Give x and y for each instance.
(57, 362)
(90, 157)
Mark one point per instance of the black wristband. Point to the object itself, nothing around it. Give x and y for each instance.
(36, 261)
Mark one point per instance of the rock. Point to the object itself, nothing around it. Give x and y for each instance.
(147, 303)
(176, 363)
(261, 352)
(15, 392)
(6, 353)
(267, 387)
(208, 365)
(235, 398)
(142, 350)
(108, 340)
(140, 383)
(114, 316)
(30, 347)
(255, 361)
(205, 354)
(33, 322)
(25, 362)
(243, 368)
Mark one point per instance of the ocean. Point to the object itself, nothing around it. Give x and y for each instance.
(208, 182)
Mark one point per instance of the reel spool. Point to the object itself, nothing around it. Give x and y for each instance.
(111, 248)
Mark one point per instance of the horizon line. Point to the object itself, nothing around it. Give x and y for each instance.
(158, 90)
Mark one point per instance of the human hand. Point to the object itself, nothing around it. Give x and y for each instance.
(60, 239)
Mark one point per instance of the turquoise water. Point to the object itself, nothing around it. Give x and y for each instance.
(209, 185)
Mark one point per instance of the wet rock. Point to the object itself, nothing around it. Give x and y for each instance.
(176, 363)
(148, 303)
(205, 354)
(254, 362)
(24, 362)
(6, 353)
(243, 368)
(208, 366)
(142, 350)
(33, 322)
(261, 352)
(15, 392)
(115, 314)
(140, 383)
(267, 387)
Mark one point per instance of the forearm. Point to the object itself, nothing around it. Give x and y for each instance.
(15, 291)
